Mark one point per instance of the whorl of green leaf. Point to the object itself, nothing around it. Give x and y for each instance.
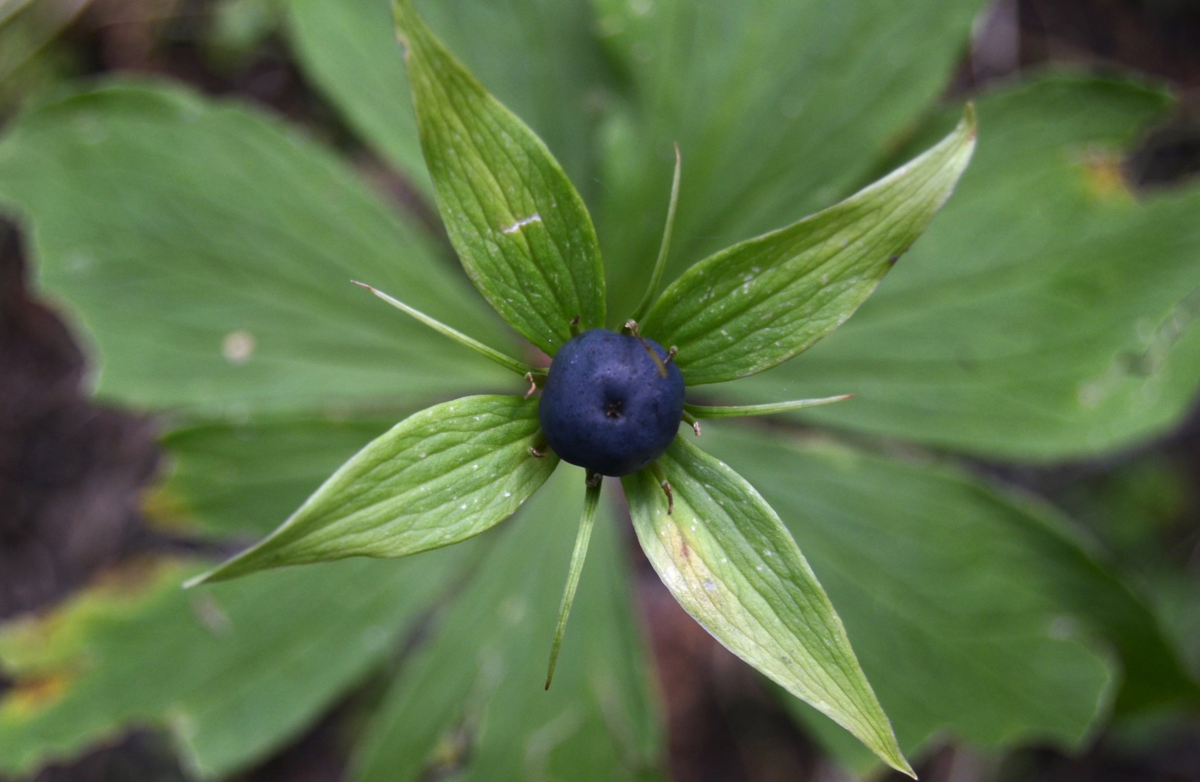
(441, 476)
(729, 561)
(758, 303)
(520, 228)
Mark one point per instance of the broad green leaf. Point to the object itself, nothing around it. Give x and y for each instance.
(442, 475)
(731, 564)
(780, 108)
(758, 303)
(1049, 313)
(219, 279)
(521, 230)
(348, 48)
(232, 672)
(242, 478)
(470, 704)
(974, 613)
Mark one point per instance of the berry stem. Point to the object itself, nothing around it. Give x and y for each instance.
(738, 411)
(591, 500)
(660, 264)
(454, 334)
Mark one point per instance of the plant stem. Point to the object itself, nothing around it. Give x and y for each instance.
(591, 500)
(454, 334)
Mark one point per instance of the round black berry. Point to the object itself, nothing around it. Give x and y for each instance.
(606, 405)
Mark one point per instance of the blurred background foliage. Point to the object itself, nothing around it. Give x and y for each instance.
(1006, 517)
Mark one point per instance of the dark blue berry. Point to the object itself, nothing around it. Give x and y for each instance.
(606, 405)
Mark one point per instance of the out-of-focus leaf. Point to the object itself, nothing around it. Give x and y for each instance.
(1049, 312)
(208, 252)
(239, 28)
(350, 51)
(973, 613)
(470, 705)
(521, 230)
(31, 58)
(232, 672)
(1177, 599)
(244, 478)
(757, 304)
(438, 477)
(1137, 509)
(1141, 510)
(780, 108)
(1132, 507)
(732, 565)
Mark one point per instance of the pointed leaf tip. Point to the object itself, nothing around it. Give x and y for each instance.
(970, 119)
(521, 230)
(729, 561)
(759, 303)
(438, 477)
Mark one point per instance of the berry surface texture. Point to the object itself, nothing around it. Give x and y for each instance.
(608, 406)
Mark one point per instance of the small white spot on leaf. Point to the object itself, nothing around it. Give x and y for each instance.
(518, 225)
(237, 347)
(374, 638)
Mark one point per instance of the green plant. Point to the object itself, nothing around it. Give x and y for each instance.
(1008, 332)
(526, 240)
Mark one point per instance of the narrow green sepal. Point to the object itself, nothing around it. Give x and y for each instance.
(591, 501)
(773, 408)
(664, 249)
(454, 334)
